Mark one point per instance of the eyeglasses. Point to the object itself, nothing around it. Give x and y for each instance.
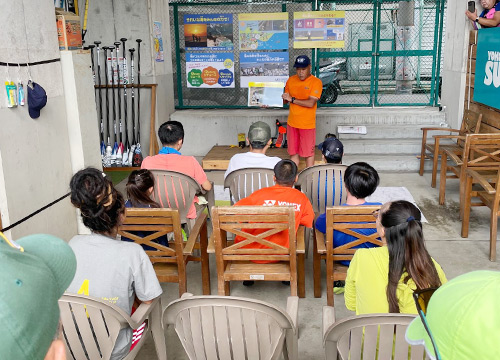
(422, 298)
(376, 213)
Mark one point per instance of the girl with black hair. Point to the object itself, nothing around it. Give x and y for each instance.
(140, 186)
(107, 268)
(381, 280)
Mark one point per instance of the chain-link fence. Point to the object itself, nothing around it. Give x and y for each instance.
(391, 53)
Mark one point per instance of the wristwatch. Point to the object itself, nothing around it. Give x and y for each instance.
(293, 99)
(477, 20)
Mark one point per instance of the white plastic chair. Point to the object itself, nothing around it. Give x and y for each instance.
(373, 336)
(226, 327)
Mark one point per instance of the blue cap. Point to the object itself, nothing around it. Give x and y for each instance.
(302, 61)
(37, 98)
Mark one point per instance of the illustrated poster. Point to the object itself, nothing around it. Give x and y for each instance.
(318, 29)
(263, 67)
(208, 32)
(263, 31)
(210, 70)
(158, 41)
(265, 94)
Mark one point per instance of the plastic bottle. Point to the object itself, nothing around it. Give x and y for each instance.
(10, 88)
(20, 92)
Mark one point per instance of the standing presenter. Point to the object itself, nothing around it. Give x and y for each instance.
(302, 92)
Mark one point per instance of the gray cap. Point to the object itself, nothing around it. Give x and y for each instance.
(259, 132)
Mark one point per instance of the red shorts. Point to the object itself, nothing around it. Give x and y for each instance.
(301, 141)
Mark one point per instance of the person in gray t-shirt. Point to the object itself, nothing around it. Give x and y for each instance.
(116, 271)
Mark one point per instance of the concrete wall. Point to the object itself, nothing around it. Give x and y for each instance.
(455, 60)
(109, 20)
(35, 159)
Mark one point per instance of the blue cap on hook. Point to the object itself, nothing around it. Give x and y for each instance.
(37, 98)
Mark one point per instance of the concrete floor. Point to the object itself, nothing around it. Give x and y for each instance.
(455, 254)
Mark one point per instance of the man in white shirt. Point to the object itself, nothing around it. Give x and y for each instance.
(259, 137)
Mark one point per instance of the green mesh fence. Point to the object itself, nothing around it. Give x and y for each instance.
(391, 56)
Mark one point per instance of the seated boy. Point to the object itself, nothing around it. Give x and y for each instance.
(281, 194)
(360, 180)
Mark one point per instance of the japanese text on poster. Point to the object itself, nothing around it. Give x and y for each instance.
(158, 41)
(208, 32)
(263, 67)
(318, 29)
(263, 31)
(210, 70)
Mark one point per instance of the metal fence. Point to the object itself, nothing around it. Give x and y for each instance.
(391, 55)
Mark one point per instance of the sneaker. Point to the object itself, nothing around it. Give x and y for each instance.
(339, 283)
(287, 283)
(248, 282)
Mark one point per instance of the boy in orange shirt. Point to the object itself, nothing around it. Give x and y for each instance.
(281, 194)
(302, 91)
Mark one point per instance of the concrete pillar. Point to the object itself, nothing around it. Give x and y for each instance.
(35, 158)
(455, 60)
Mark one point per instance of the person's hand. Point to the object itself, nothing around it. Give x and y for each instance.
(286, 97)
(470, 15)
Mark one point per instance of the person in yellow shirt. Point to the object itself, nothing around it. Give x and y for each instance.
(302, 92)
(382, 280)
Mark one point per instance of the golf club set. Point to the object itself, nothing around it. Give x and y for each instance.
(119, 150)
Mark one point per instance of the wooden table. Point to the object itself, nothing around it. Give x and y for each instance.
(218, 157)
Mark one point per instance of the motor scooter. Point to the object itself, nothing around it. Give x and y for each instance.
(328, 75)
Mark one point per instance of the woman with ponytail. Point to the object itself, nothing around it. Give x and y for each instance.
(381, 280)
(107, 268)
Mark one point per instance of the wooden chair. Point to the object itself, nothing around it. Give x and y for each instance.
(244, 182)
(480, 151)
(341, 219)
(366, 336)
(226, 327)
(90, 327)
(169, 262)
(234, 263)
(324, 186)
(490, 197)
(176, 190)
(471, 124)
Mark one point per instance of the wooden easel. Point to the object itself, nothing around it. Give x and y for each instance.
(153, 143)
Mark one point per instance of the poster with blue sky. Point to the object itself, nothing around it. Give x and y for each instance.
(208, 32)
(263, 31)
(263, 67)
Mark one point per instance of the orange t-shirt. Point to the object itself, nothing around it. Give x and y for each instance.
(302, 117)
(279, 196)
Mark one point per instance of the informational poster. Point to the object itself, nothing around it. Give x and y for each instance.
(158, 42)
(263, 31)
(208, 32)
(318, 29)
(487, 79)
(210, 70)
(263, 67)
(265, 94)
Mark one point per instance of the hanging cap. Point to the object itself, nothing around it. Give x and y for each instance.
(37, 99)
(463, 318)
(34, 274)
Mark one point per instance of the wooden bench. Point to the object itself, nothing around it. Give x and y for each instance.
(480, 151)
(218, 157)
(471, 123)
